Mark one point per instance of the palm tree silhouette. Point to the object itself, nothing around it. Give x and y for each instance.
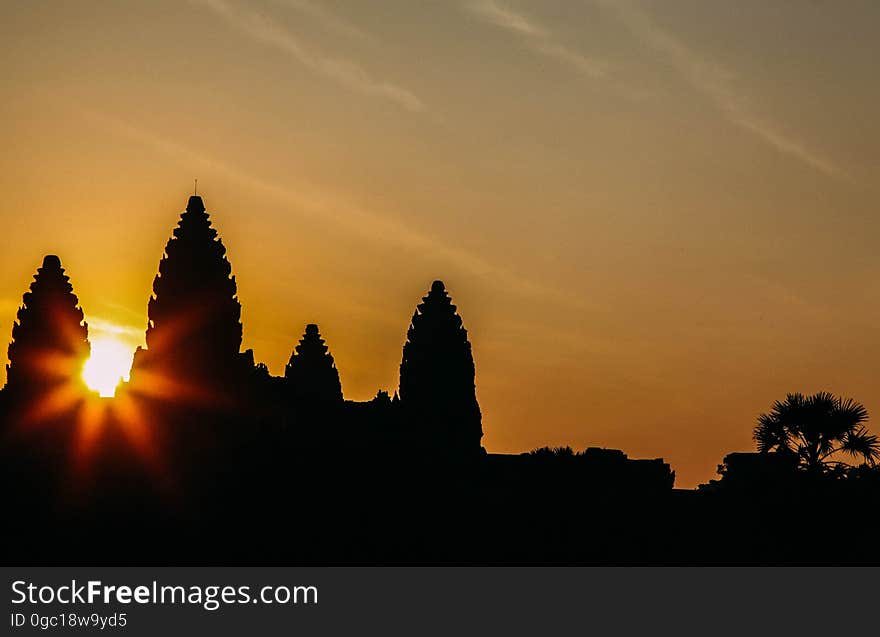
(818, 429)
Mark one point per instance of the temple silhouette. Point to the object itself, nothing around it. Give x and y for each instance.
(205, 457)
(50, 336)
(193, 331)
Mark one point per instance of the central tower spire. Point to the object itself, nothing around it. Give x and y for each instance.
(194, 327)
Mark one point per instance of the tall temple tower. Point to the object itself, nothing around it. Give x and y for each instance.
(194, 316)
(437, 390)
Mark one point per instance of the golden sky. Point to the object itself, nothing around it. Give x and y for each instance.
(655, 217)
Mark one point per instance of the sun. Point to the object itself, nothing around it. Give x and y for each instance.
(108, 365)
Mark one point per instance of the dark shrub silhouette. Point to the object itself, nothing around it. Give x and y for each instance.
(597, 465)
(817, 430)
(437, 391)
(552, 452)
(194, 329)
(753, 472)
(50, 339)
(311, 373)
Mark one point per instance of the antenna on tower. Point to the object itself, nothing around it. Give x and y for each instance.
(196, 187)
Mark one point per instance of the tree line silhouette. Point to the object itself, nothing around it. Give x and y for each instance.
(204, 457)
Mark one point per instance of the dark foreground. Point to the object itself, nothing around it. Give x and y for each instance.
(215, 491)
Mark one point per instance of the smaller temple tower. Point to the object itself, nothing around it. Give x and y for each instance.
(50, 338)
(311, 373)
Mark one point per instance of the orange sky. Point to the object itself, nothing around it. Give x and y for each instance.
(655, 217)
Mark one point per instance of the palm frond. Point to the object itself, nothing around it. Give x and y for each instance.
(860, 443)
(815, 428)
(770, 433)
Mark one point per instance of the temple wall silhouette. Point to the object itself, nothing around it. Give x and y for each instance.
(205, 456)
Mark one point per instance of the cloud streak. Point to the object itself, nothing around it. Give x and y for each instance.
(98, 324)
(328, 19)
(716, 83)
(344, 214)
(536, 36)
(346, 72)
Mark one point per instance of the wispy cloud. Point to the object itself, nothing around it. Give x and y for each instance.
(98, 324)
(331, 21)
(345, 215)
(538, 37)
(717, 83)
(346, 72)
